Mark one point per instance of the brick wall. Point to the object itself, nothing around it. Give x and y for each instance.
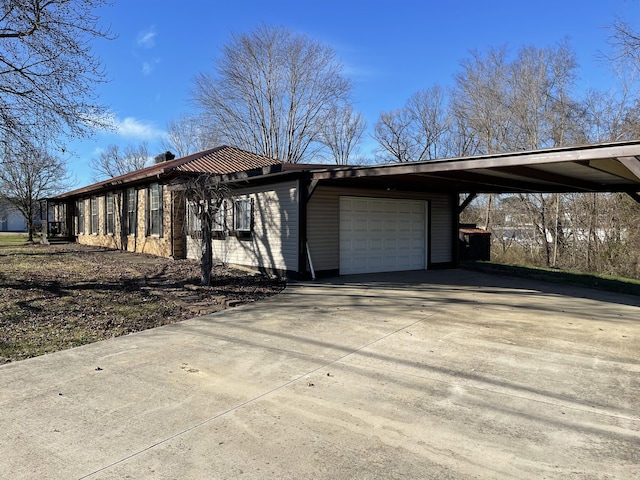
(141, 241)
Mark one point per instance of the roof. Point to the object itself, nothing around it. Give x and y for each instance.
(224, 160)
(605, 167)
(608, 167)
(221, 160)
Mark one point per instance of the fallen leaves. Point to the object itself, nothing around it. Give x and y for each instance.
(57, 297)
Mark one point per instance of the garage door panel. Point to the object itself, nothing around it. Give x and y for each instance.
(379, 235)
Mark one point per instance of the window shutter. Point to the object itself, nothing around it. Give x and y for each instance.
(251, 215)
(160, 210)
(105, 209)
(147, 212)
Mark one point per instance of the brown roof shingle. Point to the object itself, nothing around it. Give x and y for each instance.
(221, 160)
(224, 160)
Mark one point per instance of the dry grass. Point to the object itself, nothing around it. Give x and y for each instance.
(58, 297)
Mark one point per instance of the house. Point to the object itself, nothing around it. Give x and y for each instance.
(140, 211)
(307, 220)
(11, 219)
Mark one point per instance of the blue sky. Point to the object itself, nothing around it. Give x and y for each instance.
(390, 49)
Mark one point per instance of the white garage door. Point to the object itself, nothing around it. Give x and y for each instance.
(381, 235)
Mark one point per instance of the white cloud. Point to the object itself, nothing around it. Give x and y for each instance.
(131, 127)
(147, 38)
(149, 66)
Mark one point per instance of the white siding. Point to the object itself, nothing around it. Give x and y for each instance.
(323, 223)
(442, 229)
(273, 243)
(323, 228)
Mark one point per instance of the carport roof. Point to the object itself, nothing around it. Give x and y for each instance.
(610, 167)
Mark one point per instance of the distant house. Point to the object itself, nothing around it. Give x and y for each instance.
(306, 220)
(11, 219)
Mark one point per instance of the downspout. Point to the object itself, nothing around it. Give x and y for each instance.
(313, 273)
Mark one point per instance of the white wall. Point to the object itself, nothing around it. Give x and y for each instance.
(274, 240)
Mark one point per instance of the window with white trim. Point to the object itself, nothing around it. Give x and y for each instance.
(219, 219)
(132, 210)
(154, 210)
(242, 214)
(194, 224)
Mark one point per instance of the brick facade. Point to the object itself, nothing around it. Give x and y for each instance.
(142, 241)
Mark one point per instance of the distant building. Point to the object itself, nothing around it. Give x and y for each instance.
(11, 220)
(475, 243)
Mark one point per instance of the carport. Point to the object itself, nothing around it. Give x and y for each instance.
(605, 167)
(383, 233)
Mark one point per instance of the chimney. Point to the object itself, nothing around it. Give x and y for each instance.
(164, 157)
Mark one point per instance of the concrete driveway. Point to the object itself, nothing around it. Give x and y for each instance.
(446, 374)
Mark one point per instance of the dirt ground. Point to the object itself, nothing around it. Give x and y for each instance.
(60, 296)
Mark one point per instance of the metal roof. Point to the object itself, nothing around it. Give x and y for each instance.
(610, 167)
(221, 160)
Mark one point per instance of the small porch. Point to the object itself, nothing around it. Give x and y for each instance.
(56, 219)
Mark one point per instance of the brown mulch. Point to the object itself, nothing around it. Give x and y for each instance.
(59, 296)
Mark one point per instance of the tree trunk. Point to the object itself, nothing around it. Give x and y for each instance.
(29, 218)
(206, 263)
(487, 218)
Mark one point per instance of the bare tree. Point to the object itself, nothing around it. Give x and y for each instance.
(113, 161)
(47, 68)
(416, 132)
(479, 101)
(341, 133)
(392, 132)
(625, 42)
(206, 194)
(29, 174)
(271, 92)
(427, 108)
(539, 96)
(189, 134)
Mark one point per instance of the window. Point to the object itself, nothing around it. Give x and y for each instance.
(219, 223)
(132, 209)
(194, 225)
(94, 216)
(80, 215)
(154, 210)
(110, 213)
(242, 215)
